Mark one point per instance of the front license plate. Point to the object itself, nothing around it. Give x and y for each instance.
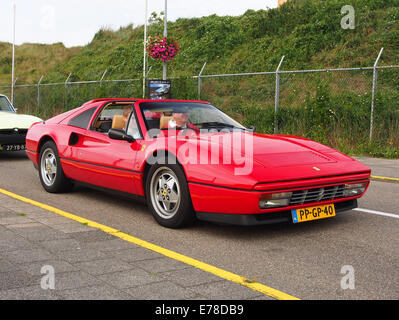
(12, 147)
(313, 213)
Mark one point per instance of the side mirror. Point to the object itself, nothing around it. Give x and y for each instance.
(116, 134)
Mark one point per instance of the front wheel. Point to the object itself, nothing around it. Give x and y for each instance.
(168, 196)
(51, 174)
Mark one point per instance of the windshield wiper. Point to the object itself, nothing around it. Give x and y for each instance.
(218, 125)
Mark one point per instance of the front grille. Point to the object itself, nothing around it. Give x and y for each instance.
(317, 195)
(12, 131)
(12, 137)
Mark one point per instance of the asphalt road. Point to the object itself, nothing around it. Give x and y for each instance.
(303, 260)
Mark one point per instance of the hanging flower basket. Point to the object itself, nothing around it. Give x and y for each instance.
(162, 49)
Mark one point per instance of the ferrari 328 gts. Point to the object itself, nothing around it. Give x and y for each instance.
(188, 160)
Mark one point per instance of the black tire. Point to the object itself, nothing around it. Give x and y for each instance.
(51, 175)
(180, 213)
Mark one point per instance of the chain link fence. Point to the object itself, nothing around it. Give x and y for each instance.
(343, 108)
(387, 107)
(250, 99)
(327, 105)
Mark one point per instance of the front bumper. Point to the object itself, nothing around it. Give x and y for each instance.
(264, 218)
(242, 207)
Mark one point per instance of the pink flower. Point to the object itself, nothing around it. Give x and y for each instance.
(164, 49)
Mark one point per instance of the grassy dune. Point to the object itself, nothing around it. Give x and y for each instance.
(333, 108)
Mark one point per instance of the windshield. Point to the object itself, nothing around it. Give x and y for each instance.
(193, 115)
(5, 105)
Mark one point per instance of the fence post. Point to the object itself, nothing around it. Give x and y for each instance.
(66, 91)
(102, 78)
(373, 94)
(38, 94)
(13, 92)
(200, 81)
(145, 80)
(277, 98)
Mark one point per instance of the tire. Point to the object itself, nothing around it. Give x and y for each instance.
(51, 175)
(168, 196)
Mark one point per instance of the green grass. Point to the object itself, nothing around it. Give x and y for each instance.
(32, 61)
(332, 108)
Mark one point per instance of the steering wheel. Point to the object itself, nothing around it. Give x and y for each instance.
(188, 132)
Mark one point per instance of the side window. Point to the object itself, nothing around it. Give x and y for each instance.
(83, 119)
(105, 120)
(133, 129)
(5, 105)
(116, 116)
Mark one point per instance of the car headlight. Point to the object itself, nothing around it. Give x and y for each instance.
(354, 189)
(275, 200)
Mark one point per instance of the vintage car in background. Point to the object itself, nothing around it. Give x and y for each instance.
(212, 168)
(13, 126)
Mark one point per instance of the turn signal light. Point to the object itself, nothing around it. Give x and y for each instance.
(275, 200)
(354, 189)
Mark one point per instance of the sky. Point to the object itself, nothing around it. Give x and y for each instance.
(75, 22)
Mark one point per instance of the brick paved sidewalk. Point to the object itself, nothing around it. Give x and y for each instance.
(90, 264)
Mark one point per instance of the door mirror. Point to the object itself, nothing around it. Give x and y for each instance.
(117, 134)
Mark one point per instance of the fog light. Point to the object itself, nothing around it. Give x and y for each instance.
(275, 200)
(354, 189)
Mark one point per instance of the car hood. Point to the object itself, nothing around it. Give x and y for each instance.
(10, 120)
(272, 151)
(287, 158)
(271, 158)
(280, 151)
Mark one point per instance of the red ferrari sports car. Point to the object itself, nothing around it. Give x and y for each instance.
(188, 160)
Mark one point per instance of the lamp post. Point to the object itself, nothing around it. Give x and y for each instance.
(13, 59)
(145, 46)
(165, 33)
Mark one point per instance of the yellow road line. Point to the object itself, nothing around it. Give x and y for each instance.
(377, 178)
(168, 253)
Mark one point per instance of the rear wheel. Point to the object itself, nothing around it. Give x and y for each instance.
(168, 196)
(51, 174)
